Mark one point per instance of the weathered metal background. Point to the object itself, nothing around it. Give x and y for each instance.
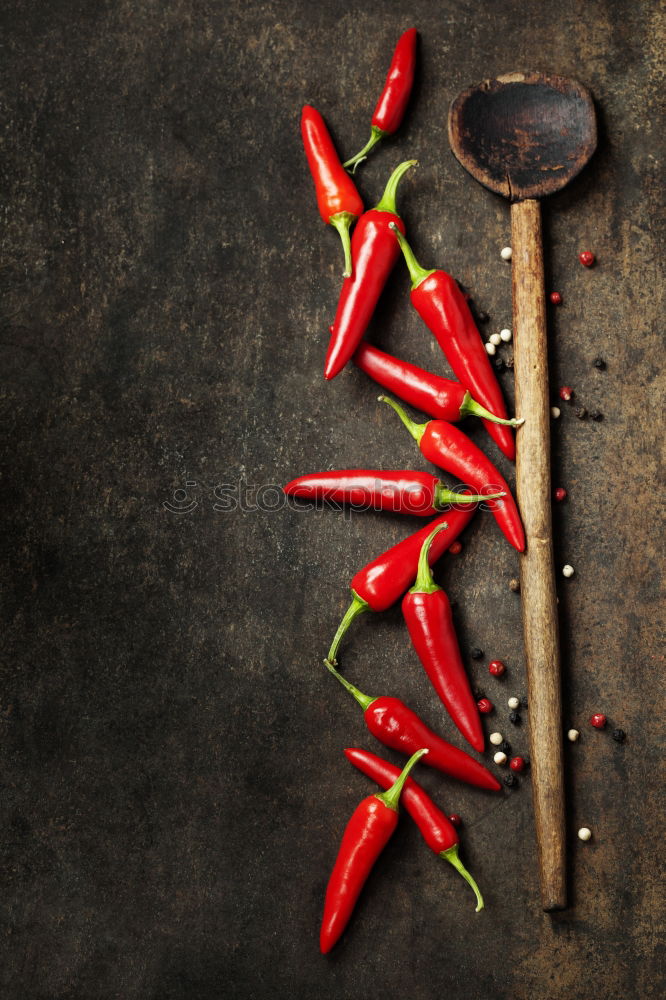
(174, 789)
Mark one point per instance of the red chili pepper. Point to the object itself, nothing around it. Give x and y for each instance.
(374, 252)
(367, 833)
(398, 727)
(429, 620)
(401, 491)
(441, 305)
(439, 397)
(395, 95)
(384, 580)
(438, 830)
(338, 200)
(447, 446)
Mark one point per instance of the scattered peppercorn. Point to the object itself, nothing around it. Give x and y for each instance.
(509, 363)
(514, 585)
(523, 701)
(479, 694)
(506, 253)
(496, 668)
(505, 335)
(490, 348)
(495, 339)
(586, 258)
(510, 780)
(598, 720)
(555, 298)
(596, 415)
(584, 833)
(514, 717)
(513, 702)
(500, 758)
(560, 494)
(499, 364)
(566, 393)
(555, 412)
(455, 819)
(517, 764)
(581, 413)
(455, 548)
(476, 654)
(482, 317)
(573, 735)
(599, 363)
(505, 746)
(619, 735)
(496, 739)
(568, 570)
(485, 706)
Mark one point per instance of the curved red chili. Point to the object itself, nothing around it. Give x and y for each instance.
(437, 396)
(437, 830)
(339, 202)
(374, 251)
(398, 727)
(398, 491)
(429, 620)
(366, 835)
(447, 446)
(442, 306)
(392, 103)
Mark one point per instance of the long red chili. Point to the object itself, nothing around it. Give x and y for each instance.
(438, 831)
(429, 620)
(367, 833)
(392, 103)
(374, 251)
(447, 446)
(442, 306)
(384, 580)
(437, 396)
(398, 727)
(339, 202)
(399, 491)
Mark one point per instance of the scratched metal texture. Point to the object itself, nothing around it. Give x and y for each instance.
(174, 788)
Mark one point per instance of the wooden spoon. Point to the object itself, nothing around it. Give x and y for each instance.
(524, 136)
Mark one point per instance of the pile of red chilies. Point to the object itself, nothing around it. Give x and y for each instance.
(370, 254)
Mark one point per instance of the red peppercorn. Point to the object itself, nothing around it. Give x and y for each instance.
(455, 819)
(455, 548)
(598, 720)
(555, 298)
(484, 706)
(496, 668)
(560, 494)
(517, 764)
(566, 393)
(586, 258)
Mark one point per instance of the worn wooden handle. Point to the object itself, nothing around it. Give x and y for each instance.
(537, 571)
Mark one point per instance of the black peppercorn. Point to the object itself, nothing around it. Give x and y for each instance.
(505, 747)
(595, 415)
(514, 717)
(482, 317)
(619, 735)
(599, 363)
(508, 362)
(476, 654)
(479, 694)
(581, 413)
(510, 780)
(499, 364)
(523, 701)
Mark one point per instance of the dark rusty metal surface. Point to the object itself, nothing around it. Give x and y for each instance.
(173, 783)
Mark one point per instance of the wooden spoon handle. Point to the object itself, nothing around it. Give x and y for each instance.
(537, 573)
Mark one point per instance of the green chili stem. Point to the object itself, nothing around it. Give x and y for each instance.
(470, 408)
(376, 135)
(356, 608)
(416, 272)
(364, 700)
(391, 797)
(387, 201)
(451, 855)
(342, 222)
(425, 583)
